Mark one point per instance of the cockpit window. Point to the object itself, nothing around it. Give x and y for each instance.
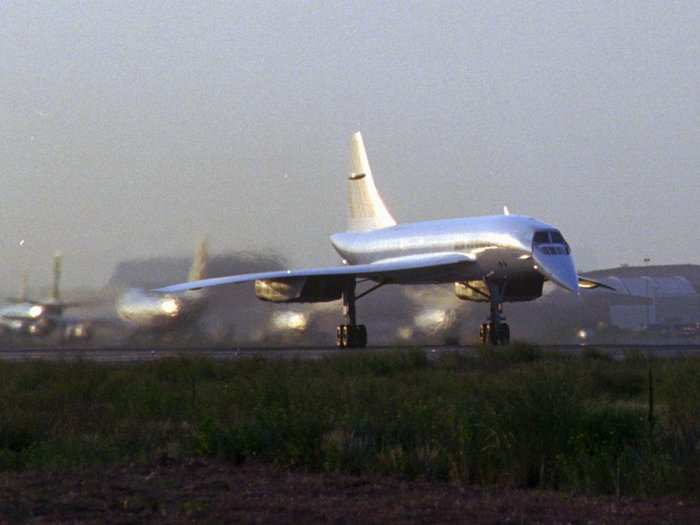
(557, 238)
(541, 237)
(551, 237)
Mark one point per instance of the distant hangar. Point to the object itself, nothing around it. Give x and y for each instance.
(652, 296)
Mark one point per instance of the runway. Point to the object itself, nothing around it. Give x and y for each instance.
(143, 354)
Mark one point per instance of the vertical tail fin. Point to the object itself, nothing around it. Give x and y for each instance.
(367, 209)
(57, 269)
(198, 269)
(24, 287)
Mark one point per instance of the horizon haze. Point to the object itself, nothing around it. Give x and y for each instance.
(132, 129)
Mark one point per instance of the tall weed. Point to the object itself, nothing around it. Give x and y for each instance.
(512, 415)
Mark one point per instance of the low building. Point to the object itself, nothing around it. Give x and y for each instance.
(643, 302)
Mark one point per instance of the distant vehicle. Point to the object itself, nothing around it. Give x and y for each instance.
(494, 259)
(149, 311)
(43, 318)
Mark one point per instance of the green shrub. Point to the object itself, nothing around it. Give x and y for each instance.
(510, 415)
(510, 354)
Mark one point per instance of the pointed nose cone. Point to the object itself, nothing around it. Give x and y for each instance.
(559, 269)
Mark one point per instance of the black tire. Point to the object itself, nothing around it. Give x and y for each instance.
(484, 333)
(350, 336)
(504, 334)
(361, 336)
(493, 334)
(353, 336)
(340, 336)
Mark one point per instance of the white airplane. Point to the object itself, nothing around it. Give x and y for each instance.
(41, 318)
(495, 259)
(146, 311)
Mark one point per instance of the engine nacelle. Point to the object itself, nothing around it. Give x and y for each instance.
(298, 290)
(279, 291)
(475, 291)
(516, 290)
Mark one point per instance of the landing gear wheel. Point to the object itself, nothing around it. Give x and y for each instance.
(494, 334)
(351, 336)
(503, 334)
(488, 334)
(340, 336)
(361, 336)
(484, 334)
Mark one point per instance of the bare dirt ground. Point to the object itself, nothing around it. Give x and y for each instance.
(198, 491)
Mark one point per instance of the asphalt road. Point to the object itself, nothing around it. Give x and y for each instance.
(129, 355)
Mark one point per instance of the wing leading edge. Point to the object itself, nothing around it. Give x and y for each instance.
(415, 268)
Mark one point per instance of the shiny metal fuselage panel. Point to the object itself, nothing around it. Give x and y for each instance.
(17, 311)
(499, 244)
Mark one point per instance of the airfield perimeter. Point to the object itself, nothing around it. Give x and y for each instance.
(120, 354)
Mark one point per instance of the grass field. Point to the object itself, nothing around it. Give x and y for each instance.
(513, 416)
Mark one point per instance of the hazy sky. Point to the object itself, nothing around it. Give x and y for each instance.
(132, 128)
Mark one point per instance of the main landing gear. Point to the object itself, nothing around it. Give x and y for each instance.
(351, 335)
(495, 331)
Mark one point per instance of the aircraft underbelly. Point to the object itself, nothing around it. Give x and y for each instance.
(437, 275)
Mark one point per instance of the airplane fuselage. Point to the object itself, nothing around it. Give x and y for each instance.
(30, 318)
(153, 311)
(502, 247)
